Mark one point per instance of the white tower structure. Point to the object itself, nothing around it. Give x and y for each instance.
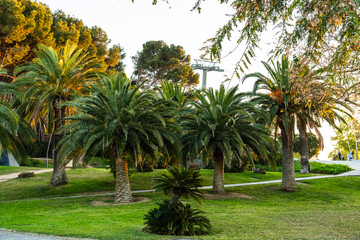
(206, 66)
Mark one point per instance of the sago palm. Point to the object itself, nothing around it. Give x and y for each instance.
(180, 182)
(218, 125)
(125, 121)
(52, 78)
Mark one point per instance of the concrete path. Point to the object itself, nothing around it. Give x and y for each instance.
(7, 177)
(6, 234)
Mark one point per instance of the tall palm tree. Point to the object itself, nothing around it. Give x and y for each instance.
(279, 99)
(52, 78)
(126, 121)
(323, 103)
(219, 125)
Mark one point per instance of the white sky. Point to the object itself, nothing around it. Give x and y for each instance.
(133, 24)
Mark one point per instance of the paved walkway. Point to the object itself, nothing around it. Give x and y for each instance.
(6, 234)
(7, 177)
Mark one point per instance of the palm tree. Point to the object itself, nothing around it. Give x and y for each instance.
(323, 103)
(181, 96)
(180, 182)
(281, 104)
(219, 125)
(126, 121)
(52, 78)
(11, 124)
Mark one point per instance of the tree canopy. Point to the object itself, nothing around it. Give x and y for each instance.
(311, 27)
(158, 61)
(24, 24)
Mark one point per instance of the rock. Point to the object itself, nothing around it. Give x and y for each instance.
(26, 174)
(260, 170)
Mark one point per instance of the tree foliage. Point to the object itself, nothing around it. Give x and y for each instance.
(24, 24)
(158, 61)
(345, 138)
(125, 122)
(12, 126)
(310, 27)
(49, 80)
(219, 126)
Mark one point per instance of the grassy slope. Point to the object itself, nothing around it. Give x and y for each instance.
(322, 209)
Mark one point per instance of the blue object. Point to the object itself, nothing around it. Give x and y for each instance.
(4, 160)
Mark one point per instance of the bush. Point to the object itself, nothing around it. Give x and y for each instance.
(30, 162)
(173, 217)
(177, 219)
(269, 169)
(237, 167)
(37, 149)
(146, 165)
(234, 166)
(26, 175)
(297, 165)
(317, 167)
(195, 166)
(260, 170)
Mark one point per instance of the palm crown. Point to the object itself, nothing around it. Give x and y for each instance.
(52, 78)
(123, 120)
(219, 125)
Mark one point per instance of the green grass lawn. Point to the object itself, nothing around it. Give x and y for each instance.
(8, 170)
(320, 209)
(96, 180)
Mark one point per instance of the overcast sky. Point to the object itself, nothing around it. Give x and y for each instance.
(132, 24)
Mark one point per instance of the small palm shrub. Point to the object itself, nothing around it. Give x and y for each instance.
(172, 217)
(176, 219)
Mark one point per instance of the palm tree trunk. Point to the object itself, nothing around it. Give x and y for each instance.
(288, 171)
(123, 191)
(218, 181)
(58, 176)
(304, 152)
(174, 198)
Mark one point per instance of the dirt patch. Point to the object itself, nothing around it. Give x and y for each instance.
(227, 195)
(110, 202)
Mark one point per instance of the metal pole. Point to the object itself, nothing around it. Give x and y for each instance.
(356, 146)
(204, 79)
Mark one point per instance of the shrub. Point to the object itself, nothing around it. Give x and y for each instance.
(30, 162)
(237, 167)
(297, 165)
(146, 165)
(317, 167)
(37, 149)
(269, 169)
(26, 175)
(176, 219)
(195, 166)
(260, 170)
(173, 217)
